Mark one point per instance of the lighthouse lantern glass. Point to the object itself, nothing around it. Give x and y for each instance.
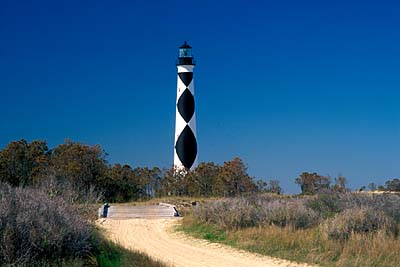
(185, 52)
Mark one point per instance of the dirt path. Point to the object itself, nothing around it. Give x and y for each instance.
(157, 238)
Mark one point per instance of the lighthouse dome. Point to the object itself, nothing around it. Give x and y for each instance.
(185, 55)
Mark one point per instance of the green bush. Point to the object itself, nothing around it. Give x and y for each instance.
(326, 205)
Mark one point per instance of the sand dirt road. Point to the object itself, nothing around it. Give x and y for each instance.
(157, 238)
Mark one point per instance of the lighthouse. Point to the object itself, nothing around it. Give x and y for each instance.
(185, 148)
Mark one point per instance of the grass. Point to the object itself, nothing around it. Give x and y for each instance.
(203, 231)
(305, 245)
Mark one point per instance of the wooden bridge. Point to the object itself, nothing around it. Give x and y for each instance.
(145, 212)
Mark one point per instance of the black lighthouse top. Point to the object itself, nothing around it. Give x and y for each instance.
(185, 55)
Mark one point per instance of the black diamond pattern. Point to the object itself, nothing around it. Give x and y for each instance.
(186, 77)
(186, 105)
(186, 147)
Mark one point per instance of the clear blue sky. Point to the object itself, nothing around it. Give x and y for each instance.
(289, 86)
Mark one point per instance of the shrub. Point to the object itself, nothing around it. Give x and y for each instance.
(327, 205)
(288, 212)
(299, 213)
(358, 220)
(227, 213)
(38, 230)
(242, 212)
(83, 200)
(300, 216)
(389, 204)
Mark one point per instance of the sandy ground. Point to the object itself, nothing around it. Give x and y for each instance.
(157, 238)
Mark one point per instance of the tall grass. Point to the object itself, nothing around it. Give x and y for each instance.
(297, 212)
(341, 230)
(304, 245)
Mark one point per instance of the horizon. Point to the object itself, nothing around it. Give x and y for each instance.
(288, 87)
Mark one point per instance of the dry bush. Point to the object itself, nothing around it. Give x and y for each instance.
(360, 221)
(85, 202)
(298, 213)
(227, 213)
(288, 212)
(238, 213)
(327, 205)
(35, 227)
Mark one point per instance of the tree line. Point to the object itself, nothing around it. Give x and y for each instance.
(85, 167)
(313, 183)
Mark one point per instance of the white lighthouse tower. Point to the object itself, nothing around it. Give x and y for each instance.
(185, 149)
